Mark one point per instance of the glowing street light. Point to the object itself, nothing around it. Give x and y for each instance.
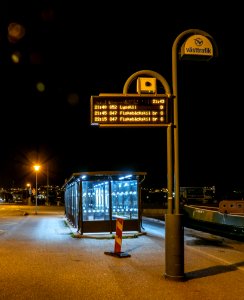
(36, 168)
(29, 193)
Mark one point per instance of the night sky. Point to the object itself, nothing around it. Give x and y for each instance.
(78, 51)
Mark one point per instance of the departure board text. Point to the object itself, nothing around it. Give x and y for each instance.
(124, 110)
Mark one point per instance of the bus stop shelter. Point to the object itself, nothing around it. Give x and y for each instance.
(94, 200)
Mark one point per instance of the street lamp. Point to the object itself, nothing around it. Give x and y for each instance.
(36, 168)
(29, 193)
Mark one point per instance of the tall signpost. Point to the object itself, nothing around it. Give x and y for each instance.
(144, 109)
(199, 45)
(36, 168)
(149, 109)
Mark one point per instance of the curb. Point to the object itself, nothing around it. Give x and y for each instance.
(125, 235)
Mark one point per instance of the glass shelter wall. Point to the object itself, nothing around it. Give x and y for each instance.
(124, 199)
(96, 200)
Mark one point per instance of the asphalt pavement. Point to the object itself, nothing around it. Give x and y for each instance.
(43, 257)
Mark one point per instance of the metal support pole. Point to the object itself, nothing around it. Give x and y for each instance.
(174, 230)
(174, 251)
(169, 170)
(174, 235)
(174, 223)
(176, 129)
(47, 197)
(36, 194)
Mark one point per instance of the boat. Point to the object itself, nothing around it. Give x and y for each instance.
(226, 219)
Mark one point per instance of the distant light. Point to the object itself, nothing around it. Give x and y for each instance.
(40, 86)
(15, 32)
(16, 57)
(37, 168)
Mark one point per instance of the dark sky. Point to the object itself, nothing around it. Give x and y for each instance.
(81, 51)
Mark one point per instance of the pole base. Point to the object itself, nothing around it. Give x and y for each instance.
(118, 254)
(175, 278)
(174, 246)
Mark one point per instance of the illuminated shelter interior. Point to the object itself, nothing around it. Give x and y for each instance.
(94, 200)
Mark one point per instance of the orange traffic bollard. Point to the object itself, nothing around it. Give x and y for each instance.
(118, 240)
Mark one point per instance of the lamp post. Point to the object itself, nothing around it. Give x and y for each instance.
(36, 168)
(47, 198)
(29, 193)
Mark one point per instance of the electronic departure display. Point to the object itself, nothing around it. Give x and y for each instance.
(119, 110)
